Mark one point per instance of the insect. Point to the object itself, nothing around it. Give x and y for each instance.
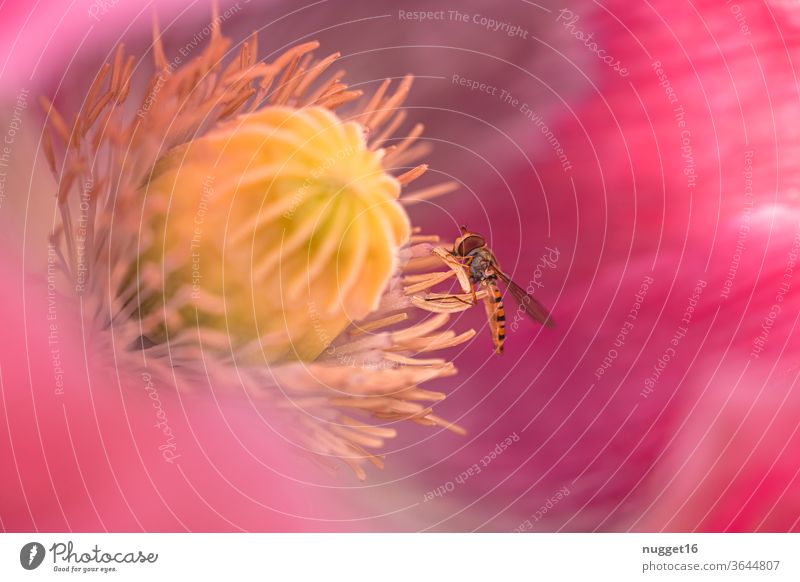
(471, 251)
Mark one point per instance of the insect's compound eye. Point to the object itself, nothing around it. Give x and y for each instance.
(469, 243)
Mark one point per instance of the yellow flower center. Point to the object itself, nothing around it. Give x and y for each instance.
(280, 226)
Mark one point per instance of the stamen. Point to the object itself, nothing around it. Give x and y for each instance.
(413, 174)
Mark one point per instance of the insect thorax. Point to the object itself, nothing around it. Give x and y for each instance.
(479, 267)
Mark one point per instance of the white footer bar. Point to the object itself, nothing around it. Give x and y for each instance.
(353, 557)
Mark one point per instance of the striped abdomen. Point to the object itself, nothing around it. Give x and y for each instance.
(499, 319)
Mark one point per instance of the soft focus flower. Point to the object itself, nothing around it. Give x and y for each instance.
(101, 449)
(710, 446)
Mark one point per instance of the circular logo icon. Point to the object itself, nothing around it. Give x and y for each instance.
(31, 555)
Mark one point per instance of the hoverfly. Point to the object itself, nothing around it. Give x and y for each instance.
(471, 251)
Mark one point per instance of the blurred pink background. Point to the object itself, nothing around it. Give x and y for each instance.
(681, 174)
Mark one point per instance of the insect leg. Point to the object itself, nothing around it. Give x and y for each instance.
(467, 262)
(445, 297)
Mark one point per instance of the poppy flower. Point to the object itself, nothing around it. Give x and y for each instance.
(631, 168)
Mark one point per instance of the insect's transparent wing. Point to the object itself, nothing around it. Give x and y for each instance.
(527, 303)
